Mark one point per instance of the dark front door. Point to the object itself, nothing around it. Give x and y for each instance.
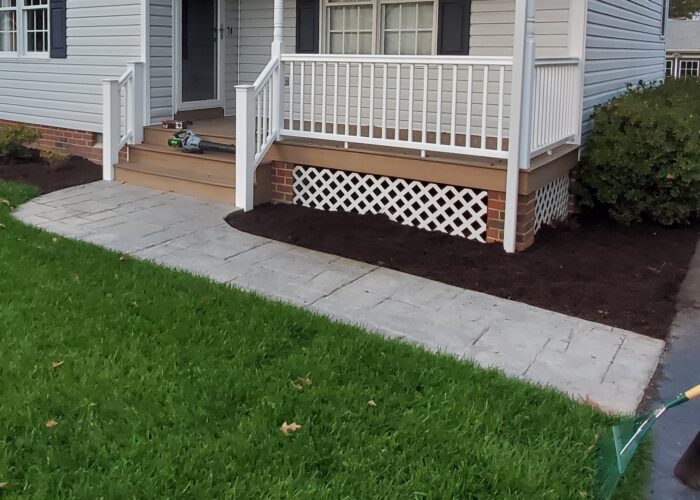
(200, 50)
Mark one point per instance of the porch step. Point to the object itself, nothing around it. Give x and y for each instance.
(156, 135)
(210, 176)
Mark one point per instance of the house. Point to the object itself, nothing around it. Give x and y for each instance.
(683, 48)
(462, 116)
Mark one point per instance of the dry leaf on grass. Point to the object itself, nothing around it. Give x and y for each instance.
(54, 240)
(3, 201)
(371, 403)
(2, 226)
(123, 258)
(297, 387)
(76, 278)
(3, 486)
(57, 364)
(588, 401)
(51, 424)
(289, 428)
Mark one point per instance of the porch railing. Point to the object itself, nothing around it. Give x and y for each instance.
(446, 104)
(555, 120)
(123, 105)
(257, 126)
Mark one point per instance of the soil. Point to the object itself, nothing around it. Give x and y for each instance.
(591, 268)
(50, 175)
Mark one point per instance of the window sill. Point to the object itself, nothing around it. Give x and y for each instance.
(25, 57)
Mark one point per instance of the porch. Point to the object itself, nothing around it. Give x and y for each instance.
(489, 120)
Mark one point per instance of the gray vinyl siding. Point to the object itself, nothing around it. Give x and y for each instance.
(623, 46)
(161, 59)
(102, 37)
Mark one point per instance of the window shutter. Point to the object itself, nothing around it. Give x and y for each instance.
(58, 29)
(307, 26)
(453, 27)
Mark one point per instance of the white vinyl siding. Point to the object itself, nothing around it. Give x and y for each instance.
(102, 38)
(161, 55)
(623, 46)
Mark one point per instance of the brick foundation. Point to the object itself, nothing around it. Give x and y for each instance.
(525, 228)
(282, 180)
(63, 140)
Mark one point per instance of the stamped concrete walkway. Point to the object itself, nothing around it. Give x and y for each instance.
(608, 366)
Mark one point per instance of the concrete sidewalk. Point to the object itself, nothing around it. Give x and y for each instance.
(608, 366)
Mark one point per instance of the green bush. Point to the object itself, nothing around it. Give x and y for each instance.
(643, 158)
(14, 140)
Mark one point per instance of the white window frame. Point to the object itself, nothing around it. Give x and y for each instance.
(22, 52)
(695, 66)
(377, 24)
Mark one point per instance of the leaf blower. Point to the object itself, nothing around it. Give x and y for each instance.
(190, 142)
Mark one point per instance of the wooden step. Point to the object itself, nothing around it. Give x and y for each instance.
(211, 168)
(156, 135)
(210, 192)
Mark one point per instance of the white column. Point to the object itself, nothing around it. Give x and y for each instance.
(278, 29)
(278, 75)
(136, 96)
(245, 146)
(578, 24)
(521, 114)
(111, 121)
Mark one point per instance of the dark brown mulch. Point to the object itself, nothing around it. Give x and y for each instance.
(51, 175)
(591, 268)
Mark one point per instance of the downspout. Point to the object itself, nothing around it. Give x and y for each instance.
(238, 44)
(519, 148)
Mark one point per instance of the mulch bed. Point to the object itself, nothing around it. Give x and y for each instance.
(591, 268)
(50, 175)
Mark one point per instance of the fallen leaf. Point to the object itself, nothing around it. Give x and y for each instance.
(590, 449)
(588, 401)
(3, 486)
(76, 278)
(306, 381)
(51, 424)
(2, 226)
(57, 364)
(287, 428)
(297, 387)
(123, 258)
(371, 403)
(54, 240)
(5, 202)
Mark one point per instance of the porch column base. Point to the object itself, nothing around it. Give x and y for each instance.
(525, 227)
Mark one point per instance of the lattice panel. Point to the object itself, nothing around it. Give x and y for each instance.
(552, 202)
(448, 209)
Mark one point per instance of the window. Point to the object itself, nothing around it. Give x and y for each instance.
(24, 26)
(669, 68)
(379, 26)
(664, 17)
(8, 26)
(689, 68)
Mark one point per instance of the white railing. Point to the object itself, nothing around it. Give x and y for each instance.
(122, 115)
(258, 116)
(437, 103)
(554, 116)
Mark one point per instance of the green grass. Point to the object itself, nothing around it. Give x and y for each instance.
(174, 386)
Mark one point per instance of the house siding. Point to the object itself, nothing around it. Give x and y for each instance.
(102, 38)
(623, 46)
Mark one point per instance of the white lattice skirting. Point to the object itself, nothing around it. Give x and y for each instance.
(552, 202)
(448, 209)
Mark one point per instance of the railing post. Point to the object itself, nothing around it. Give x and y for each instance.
(245, 146)
(277, 50)
(111, 125)
(135, 94)
(521, 118)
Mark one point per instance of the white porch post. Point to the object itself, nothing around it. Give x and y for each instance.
(111, 116)
(278, 76)
(245, 146)
(521, 118)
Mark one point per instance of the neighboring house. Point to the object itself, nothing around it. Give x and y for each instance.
(683, 48)
(463, 116)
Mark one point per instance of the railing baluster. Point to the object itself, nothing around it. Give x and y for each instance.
(371, 100)
(313, 97)
(485, 107)
(397, 104)
(384, 100)
(291, 95)
(302, 126)
(335, 99)
(453, 124)
(470, 93)
(347, 98)
(438, 120)
(411, 96)
(258, 123)
(424, 137)
(501, 98)
(359, 99)
(323, 97)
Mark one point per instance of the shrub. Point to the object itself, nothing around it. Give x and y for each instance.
(643, 158)
(14, 140)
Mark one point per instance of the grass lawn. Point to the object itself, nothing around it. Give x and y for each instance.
(173, 386)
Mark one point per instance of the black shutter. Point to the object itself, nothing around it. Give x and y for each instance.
(57, 27)
(307, 26)
(453, 27)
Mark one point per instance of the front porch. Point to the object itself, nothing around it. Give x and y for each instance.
(487, 122)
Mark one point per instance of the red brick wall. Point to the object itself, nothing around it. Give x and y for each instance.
(63, 140)
(282, 180)
(524, 229)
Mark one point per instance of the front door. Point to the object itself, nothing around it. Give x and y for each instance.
(199, 51)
